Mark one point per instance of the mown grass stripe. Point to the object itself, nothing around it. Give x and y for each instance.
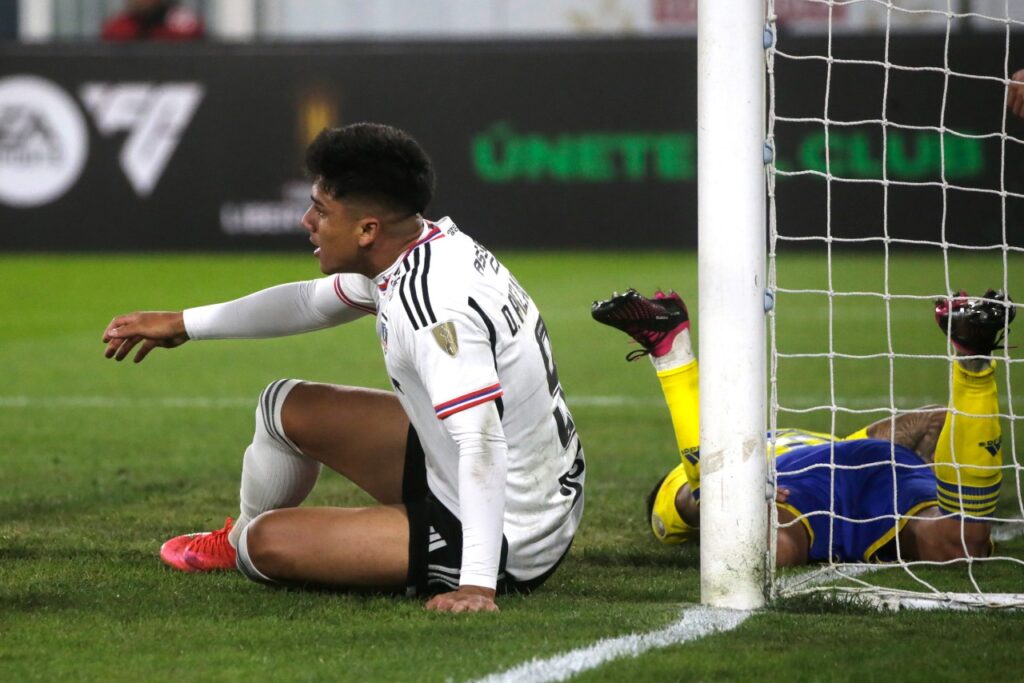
(608, 401)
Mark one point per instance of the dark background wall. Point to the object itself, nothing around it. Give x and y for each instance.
(537, 144)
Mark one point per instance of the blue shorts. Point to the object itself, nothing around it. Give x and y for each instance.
(875, 486)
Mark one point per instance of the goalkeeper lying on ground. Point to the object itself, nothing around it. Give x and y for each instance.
(947, 463)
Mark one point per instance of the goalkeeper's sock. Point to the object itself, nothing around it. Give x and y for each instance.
(275, 473)
(969, 455)
(680, 353)
(680, 384)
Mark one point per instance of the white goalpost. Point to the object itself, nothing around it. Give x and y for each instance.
(875, 209)
(731, 273)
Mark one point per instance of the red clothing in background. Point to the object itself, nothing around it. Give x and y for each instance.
(169, 23)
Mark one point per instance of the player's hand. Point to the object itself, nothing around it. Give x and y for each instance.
(781, 494)
(1015, 94)
(152, 328)
(466, 599)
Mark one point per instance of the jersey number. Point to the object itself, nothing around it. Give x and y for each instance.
(563, 420)
(570, 480)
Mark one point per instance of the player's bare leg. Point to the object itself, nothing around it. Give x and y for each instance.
(345, 547)
(931, 536)
(360, 433)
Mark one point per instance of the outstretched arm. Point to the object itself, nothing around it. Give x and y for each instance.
(1015, 94)
(278, 311)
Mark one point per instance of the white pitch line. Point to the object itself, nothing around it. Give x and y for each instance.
(696, 622)
(1007, 531)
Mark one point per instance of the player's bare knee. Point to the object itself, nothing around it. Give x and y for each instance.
(956, 543)
(944, 550)
(297, 417)
(977, 539)
(266, 546)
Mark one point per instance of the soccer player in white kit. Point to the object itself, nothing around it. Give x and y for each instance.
(473, 458)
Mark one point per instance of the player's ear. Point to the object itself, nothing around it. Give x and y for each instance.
(368, 230)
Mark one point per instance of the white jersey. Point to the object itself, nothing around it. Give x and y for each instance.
(457, 331)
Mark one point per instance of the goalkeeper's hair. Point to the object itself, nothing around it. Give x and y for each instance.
(372, 161)
(652, 496)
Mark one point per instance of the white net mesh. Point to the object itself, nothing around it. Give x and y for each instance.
(896, 178)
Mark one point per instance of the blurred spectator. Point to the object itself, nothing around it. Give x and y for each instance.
(1015, 98)
(153, 20)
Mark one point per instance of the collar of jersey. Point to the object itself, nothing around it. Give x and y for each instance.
(429, 233)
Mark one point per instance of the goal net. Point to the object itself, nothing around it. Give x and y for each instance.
(895, 179)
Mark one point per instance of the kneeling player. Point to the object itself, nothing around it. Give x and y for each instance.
(947, 463)
(473, 459)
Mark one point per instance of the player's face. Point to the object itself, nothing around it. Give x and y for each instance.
(334, 228)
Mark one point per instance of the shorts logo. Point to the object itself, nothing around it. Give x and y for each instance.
(436, 542)
(43, 141)
(444, 335)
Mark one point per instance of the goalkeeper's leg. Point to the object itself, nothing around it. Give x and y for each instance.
(968, 452)
(662, 328)
(968, 455)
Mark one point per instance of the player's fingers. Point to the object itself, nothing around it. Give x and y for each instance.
(126, 347)
(117, 326)
(434, 604)
(1019, 107)
(475, 604)
(112, 345)
(144, 350)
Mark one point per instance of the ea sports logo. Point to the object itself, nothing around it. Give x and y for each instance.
(43, 141)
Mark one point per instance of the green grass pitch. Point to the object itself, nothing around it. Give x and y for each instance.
(101, 462)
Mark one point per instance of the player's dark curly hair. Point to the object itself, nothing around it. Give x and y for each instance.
(372, 161)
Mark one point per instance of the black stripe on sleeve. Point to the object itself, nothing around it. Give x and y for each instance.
(423, 283)
(412, 287)
(405, 302)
